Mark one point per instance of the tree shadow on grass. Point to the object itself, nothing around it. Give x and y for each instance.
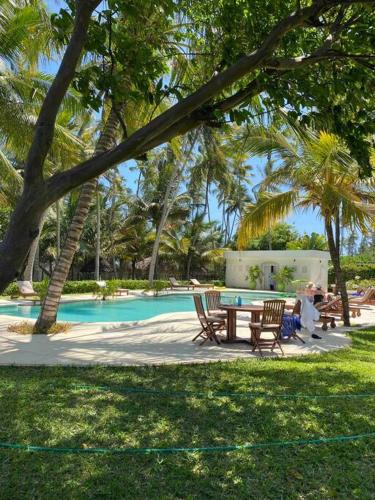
(39, 406)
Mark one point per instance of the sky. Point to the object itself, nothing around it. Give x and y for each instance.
(304, 222)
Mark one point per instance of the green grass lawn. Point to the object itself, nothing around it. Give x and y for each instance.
(41, 406)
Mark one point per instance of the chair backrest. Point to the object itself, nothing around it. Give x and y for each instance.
(173, 281)
(273, 312)
(194, 281)
(101, 284)
(297, 308)
(213, 299)
(332, 305)
(367, 295)
(199, 308)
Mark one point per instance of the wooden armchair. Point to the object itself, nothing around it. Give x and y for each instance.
(271, 322)
(213, 300)
(210, 324)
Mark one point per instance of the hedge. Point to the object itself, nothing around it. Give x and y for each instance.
(364, 271)
(88, 286)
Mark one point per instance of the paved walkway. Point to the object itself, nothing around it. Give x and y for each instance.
(164, 339)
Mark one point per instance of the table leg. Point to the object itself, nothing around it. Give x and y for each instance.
(232, 328)
(231, 325)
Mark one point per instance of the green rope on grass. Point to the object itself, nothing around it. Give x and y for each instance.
(213, 394)
(202, 449)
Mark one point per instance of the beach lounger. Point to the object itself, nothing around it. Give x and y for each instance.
(25, 290)
(197, 284)
(120, 291)
(175, 285)
(332, 311)
(368, 298)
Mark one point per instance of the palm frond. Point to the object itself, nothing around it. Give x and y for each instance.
(262, 216)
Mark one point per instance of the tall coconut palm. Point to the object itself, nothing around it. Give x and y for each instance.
(316, 172)
(178, 163)
(48, 312)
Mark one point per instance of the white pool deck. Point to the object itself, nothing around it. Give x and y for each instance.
(164, 339)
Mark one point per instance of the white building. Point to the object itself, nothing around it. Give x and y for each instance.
(308, 265)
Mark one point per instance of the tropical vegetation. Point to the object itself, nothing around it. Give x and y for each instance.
(167, 88)
(317, 172)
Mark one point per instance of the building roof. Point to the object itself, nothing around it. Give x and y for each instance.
(272, 254)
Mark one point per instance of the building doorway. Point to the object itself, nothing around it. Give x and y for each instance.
(269, 269)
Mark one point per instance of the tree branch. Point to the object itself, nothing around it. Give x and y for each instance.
(45, 125)
(319, 56)
(193, 110)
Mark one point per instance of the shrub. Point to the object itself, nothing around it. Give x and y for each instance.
(87, 286)
(353, 284)
(157, 286)
(219, 283)
(351, 270)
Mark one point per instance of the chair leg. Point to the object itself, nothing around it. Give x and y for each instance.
(199, 334)
(212, 333)
(296, 336)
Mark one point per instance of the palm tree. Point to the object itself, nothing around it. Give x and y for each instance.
(48, 312)
(317, 173)
(178, 163)
(193, 245)
(314, 241)
(133, 243)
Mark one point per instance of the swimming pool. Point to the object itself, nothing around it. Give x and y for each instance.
(133, 309)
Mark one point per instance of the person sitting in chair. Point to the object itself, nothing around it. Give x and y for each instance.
(319, 294)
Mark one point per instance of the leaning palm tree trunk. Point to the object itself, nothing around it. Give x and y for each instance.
(170, 192)
(98, 235)
(334, 251)
(28, 272)
(169, 199)
(48, 313)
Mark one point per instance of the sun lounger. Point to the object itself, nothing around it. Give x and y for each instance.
(330, 311)
(197, 284)
(25, 290)
(120, 291)
(175, 285)
(368, 298)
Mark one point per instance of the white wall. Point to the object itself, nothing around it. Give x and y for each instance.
(310, 265)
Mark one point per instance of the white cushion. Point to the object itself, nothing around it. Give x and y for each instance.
(25, 287)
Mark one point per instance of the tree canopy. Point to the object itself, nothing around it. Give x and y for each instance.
(197, 64)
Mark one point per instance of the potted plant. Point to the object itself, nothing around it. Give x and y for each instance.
(283, 277)
(106, 291)
(254, 274)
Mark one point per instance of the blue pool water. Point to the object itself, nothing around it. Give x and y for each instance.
(136, 309)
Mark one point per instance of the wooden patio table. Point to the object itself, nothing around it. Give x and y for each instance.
(255, 311)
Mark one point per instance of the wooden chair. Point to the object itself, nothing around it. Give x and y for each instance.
(296, 312)
(272, 319)
(213, 300)
(210, 324)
